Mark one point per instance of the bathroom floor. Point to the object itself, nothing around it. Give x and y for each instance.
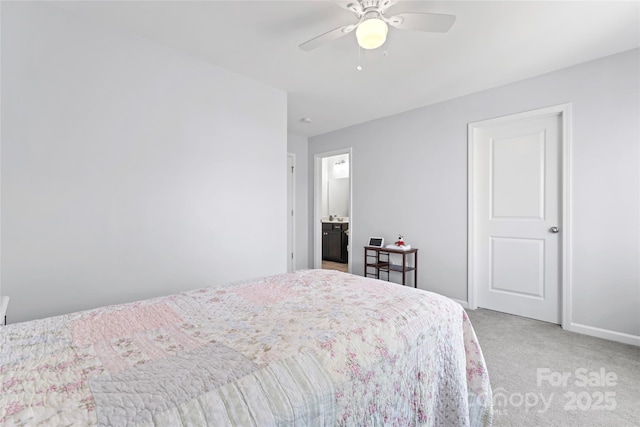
(330, 265)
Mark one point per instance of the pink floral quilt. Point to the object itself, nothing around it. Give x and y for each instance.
(312, 348)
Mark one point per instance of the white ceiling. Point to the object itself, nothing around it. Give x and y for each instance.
(491, 43)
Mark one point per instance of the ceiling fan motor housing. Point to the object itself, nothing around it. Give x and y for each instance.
(364, 7)
(371, 3)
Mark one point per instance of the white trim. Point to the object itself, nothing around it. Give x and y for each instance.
(564, 110)
(4, 303)
(605, 333)
(464, 304)
(567, 216)
(294, 216)
(471, 216)
(317, 205)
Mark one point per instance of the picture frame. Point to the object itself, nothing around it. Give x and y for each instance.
(377, 242)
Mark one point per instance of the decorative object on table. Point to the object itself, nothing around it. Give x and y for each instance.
(396, 259)
(376, 241)
(400, 244)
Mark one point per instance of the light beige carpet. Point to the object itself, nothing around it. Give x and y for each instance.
(542, 375)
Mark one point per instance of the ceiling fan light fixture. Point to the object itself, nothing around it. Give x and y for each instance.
(372, 33)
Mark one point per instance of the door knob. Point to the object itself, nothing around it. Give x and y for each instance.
(554, 230)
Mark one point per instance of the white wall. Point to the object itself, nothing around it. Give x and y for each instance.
(298, 145)
(130, 170)
(410, 177)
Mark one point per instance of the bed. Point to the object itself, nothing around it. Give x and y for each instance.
(310, 348)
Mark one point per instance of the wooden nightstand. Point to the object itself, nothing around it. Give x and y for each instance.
(379, 260)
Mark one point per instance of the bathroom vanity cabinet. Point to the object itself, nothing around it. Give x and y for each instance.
(334, 241)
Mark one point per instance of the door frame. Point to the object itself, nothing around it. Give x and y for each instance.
(291, 231)
(317, 205)
(564, 111)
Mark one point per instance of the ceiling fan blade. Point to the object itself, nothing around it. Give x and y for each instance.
(354, 6)
(327, 37)
(386, 4)
(430, 22)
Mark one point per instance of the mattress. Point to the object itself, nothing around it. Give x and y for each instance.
(310, 348)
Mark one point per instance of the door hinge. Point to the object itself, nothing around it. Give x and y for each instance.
(291, 212)
(292, 169)
(291, 255)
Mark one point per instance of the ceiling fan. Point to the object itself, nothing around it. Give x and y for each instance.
(371, 28)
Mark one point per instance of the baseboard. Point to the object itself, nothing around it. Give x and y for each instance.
(464, 304)
(604, 333)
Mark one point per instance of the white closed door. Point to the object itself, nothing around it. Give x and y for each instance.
(518, 230)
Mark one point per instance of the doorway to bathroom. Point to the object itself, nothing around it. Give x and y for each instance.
(333, 220)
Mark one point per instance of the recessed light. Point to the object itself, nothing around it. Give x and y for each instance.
(305, 120)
